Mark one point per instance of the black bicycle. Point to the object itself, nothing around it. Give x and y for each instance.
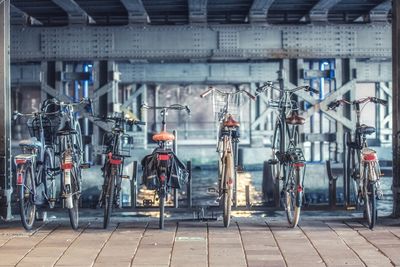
(362, 162)
(288, 163)
(162, 170)
(116, 147)
(35, 166)
(70, 153)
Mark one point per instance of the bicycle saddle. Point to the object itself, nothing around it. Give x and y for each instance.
(365, 129)
(369, 154)
(30, 143)
(230, 122)
(66, 129)
(163, 136)
(295, 119)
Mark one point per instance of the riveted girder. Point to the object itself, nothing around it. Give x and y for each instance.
(76, 14)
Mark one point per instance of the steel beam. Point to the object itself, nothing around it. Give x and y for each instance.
(19, 17)
(259, 10)
(76, 14)
(136, 11)
(5, 112)
(196, 42)
(396, 106)
(380, 12)
(320, 11)
(197, 11)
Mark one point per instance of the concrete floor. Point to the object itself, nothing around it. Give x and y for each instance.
(320, 240)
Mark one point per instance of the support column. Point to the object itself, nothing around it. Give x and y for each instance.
(5, 112)
(113, 94)
(396, 105)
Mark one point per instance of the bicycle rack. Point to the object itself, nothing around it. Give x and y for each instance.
(332, 185)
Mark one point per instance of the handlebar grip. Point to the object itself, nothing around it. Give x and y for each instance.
(312, 90)
(206, 93)
(380, 101)
(250, 95)
(333, 105)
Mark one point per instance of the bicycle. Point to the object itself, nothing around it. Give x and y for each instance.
(228, 139)
(362, 162)
(116, 147)
(288, 164)
(69, 143)
(35, 167)
(162, 170)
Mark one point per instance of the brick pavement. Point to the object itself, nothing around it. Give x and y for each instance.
(318, 241)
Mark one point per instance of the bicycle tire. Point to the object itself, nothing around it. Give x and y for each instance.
(227, 193)
(50, 184)
(27, 207)
(291, 198)
(370, 204)
(108, 200)
(162, 196)
(74, 211)
(276, 168)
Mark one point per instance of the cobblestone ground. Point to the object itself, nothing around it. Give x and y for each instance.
(251, 241)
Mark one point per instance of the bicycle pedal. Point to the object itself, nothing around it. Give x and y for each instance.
(85, 166)
(273, 161)
(125, 177)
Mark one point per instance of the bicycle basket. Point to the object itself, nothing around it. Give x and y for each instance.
(49, 129)
(124, 147)
(231, 104)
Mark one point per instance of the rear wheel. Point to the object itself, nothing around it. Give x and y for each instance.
(162, 197)
(27, 206)
(108, 200)
(293, 197)
(370, 203)
(49, 180)
(75, 191)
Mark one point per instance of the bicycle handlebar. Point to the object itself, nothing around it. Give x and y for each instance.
(212, 89)
(269, 85)
(119, 119)
(173, 107)
(334, 104)
(55, 101)
(17, 114)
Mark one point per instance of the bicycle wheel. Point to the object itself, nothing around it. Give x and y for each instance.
(75, 191)
(108, 200)
(293, 197)
(49, 180)
(227, 191)
(162, 196)
(370, 199)
(276, 166)
(27, 207)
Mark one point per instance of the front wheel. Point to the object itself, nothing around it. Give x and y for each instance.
(227, 189)
(292, 197)
(27, 206)
(75, 191)
(108, 200)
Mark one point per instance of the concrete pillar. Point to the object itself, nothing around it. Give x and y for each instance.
(5, 112)
(396, 105)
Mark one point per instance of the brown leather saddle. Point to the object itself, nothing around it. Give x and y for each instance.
(295, 119)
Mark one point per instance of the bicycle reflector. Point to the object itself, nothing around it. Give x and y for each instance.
(20, 178)
(20, 161)
(67, 166)
(163, 157)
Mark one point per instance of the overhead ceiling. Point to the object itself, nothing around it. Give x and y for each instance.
(173, 12)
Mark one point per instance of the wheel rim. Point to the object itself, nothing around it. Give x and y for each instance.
(29, 208)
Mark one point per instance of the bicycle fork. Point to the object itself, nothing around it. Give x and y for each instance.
(66, 167)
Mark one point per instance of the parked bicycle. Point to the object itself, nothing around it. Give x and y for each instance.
(162, 170)
(288, 163)
(70, 153)
(35, 167)
(228, 138)
(116, 146)
(362, 162)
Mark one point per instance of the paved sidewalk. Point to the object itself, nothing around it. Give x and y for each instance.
(328, 241)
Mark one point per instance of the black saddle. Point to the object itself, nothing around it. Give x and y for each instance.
(66, 129)
(366, 130)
